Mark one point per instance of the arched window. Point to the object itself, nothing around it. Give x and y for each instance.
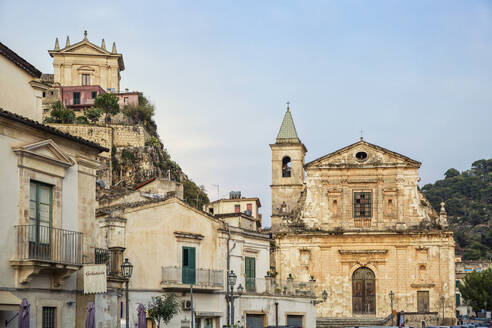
(363, 291)
(286, 167)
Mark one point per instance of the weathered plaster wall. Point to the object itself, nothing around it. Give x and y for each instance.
(17, 95)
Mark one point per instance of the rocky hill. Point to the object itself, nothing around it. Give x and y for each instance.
(468, 198)
(136, 151)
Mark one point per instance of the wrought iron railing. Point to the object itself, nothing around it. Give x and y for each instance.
(44, 243)
(198, 277)
(110, 258)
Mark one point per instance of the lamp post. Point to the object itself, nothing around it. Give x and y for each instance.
(442, 303)
(126, 271)
(231, 279)
(324, 297)
(391, 295)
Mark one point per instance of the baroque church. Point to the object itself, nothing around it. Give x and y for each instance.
(356, 221)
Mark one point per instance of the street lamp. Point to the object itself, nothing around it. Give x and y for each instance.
(231, 279)
(391, 295)
(126, 271)
(324, 297)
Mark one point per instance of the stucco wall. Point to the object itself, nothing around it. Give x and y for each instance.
(16, 94)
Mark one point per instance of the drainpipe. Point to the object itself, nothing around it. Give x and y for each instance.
(276, 314)
(226, 227)
(227, 272)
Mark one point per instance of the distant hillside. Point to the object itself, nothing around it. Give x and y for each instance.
(468, 198)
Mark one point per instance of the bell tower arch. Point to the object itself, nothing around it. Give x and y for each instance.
(288, 154)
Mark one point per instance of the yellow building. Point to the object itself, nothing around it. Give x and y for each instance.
(356, 221)
(85, 63)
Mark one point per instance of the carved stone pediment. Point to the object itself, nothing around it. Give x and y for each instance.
(46, 150)
(363, 154)
(84, 47)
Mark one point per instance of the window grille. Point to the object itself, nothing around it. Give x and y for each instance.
(362, 204)
(49, 318)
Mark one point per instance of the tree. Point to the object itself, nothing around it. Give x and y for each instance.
(59, 114)
(93, 114)
(451, 173)
(163, 308)
(468, 198)
(142, 113)
(477, 289)
(82, 120)
(108, 104)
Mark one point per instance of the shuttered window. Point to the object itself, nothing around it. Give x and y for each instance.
(250, 266)
(188, 267)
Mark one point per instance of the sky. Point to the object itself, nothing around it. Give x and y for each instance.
(414, 76)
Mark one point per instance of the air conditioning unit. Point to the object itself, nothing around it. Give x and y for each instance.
(186, 304)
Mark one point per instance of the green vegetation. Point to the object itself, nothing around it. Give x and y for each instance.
(82, 120)
(153, 142)
(59, 114)
(477, 289)
(142, 113)
(468, 198)
(194, 195)
(93, 114)
(163, 308)
(108, 104)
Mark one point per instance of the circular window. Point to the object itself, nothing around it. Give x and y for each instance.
(361, 156)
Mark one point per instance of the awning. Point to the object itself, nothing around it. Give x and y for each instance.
(9, 302)
(208, 314)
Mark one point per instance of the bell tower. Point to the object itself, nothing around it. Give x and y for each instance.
(287, 170)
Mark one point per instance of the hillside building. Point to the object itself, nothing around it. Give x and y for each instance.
(356, 222)
(21, 85)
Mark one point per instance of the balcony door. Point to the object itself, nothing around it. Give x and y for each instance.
(250, 266)
(40, 218)
(189, 271)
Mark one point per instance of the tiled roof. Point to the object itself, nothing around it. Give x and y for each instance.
(43, 127)
(287, 132)
(19, 61)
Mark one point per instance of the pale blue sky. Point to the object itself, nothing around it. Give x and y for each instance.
(416, 76)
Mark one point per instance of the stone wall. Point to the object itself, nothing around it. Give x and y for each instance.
(117, 135)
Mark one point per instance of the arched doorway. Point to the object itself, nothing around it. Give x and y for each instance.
(363, 291)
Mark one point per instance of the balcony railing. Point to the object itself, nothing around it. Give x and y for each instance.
(111, 258)
(44, 243)
(205, 278)
(288, 287)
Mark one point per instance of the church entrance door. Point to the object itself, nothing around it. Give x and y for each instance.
(363, 291)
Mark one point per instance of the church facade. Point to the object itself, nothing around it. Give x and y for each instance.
(356, 222)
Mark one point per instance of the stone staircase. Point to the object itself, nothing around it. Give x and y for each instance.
(352, 322)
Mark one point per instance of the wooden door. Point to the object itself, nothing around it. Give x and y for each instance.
(363, 291)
